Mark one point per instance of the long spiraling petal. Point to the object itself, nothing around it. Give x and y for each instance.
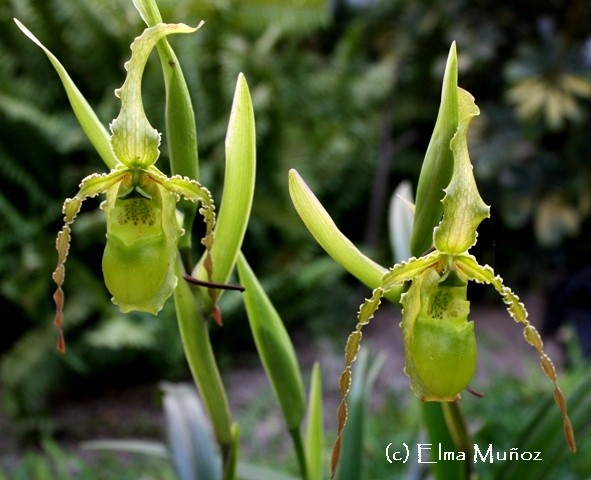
(90, 187)
(468, 265)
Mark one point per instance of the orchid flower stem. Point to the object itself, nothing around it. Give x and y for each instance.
(454, 419)
(201, 360)
(300, 451)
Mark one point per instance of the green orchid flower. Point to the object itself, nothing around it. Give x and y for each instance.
(139, 261)
(440, 346)
(149, 241)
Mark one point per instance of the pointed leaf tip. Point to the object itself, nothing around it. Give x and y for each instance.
(437, 167)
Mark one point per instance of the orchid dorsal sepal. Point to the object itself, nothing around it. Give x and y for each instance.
(463, 207)
(139, 263)
(134, 141)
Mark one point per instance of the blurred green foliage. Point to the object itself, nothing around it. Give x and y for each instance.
(53, 462)
(346, 94)
(520, 404)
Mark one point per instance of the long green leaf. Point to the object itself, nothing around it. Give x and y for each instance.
(437, 166)
(248, 471)
(92, 126)
(199, 353)
(143, 447)
(274, 347)
(327, 234)
(245, 470)
(439, 434)
(315, 427)
(239, 185)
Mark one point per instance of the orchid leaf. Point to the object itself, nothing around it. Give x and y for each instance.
(274, 347)
(437, 166)
(315, 427)
(90, 123)
(329, 237)
(239, 184)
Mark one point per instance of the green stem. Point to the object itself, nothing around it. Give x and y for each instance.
(181, 133)
(454, 419)
(439, 434)
(199, 354)
(300, 452)
(231, 462)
